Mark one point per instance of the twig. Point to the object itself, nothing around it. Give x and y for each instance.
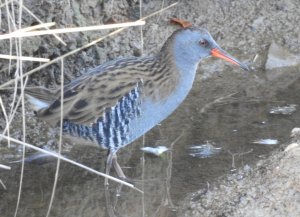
(237, 154)
(216, 101)
(159, 11)
(162, 5)
(177, 139)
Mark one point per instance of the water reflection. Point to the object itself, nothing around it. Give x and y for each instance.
(80, 193)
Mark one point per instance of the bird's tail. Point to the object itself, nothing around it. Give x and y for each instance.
(39, 97)
(36, 103)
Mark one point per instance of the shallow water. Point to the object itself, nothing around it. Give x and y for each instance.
(231, 123)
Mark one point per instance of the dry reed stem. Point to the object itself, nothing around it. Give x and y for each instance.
(143, 156)
(71, 162)
(35, 27)
(21, 34)
(3, 184)
(20, 70)
(24, 58)
(237, 154)
(6, 119)
(60, 137)
(10, 23)
(6, 3)
(5, 167)
(141, 28)
(41, 22)
(13, 109)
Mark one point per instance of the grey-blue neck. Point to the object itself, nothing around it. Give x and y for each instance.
(186, 61)
(153, 112)
(184, 64)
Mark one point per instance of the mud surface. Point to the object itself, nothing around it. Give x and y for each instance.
(227, 107)
(271, 188)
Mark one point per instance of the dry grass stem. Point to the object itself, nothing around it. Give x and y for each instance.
(5, 167)
(13, 109)
(23, 58)
(71, 162)
(159, 11)
(41, 22)
(22, 96)
(216, 101)
(6, 119)
(6, 3)
(35, 27)
(3, 184)
(141, 28)
(162, 6)
(237, 154)
(21, 34)
(60, 137)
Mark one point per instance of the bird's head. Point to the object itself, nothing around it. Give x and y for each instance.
(194, 44)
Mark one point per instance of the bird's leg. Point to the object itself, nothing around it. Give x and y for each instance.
(112, 159)
(109, 160)
(117, 167)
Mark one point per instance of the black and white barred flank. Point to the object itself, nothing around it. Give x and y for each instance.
(78, 130)
(111, 131)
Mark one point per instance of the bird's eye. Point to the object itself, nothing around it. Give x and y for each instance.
(203, 42)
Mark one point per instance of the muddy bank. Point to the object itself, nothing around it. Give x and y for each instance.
(269, 189)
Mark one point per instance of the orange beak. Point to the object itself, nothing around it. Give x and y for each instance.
(219, 53)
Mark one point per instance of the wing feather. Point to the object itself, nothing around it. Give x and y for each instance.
(87, 97)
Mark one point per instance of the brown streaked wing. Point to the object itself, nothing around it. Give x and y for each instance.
(86, 98)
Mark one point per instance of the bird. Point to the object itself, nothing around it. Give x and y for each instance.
(117, 102)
